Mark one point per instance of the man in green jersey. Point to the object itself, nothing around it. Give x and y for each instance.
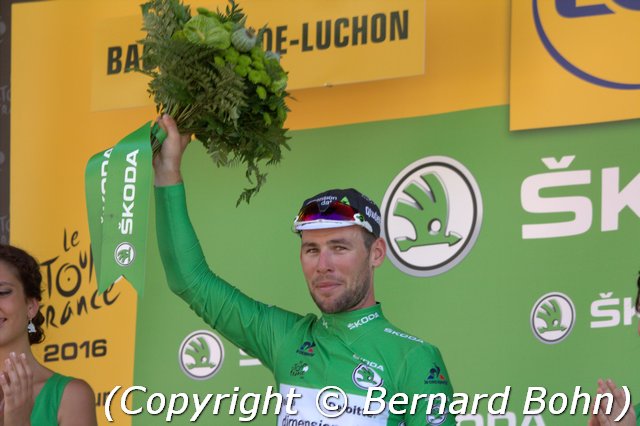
(380, 374)
(632, 418)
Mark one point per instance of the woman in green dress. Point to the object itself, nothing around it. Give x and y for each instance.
(30, 393)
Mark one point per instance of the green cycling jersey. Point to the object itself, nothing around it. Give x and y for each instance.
(360, 352)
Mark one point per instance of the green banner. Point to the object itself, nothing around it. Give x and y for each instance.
(95, 185)
(118, 209)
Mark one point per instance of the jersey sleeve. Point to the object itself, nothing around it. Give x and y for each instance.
(247, 323)
(424, 372)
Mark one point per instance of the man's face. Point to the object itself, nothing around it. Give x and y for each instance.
(339, 268)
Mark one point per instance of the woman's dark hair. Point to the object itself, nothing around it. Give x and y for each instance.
(28, 271)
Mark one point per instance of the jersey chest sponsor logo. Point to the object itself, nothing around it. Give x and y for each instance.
(307, 348)
(307, 411)
(365, 377)
(362, 321)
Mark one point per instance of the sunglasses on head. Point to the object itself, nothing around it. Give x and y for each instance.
(336, 212)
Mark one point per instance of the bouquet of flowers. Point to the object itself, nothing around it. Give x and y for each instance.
(212, 75)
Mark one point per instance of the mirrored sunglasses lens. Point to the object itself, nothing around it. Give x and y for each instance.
(336, 211)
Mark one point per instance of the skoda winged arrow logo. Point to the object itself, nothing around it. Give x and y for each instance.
(201, 355)
(125, 254)
(432, 214)
(365, 377)
(552, 317)
(427, 213)
(434, 417)
(199, 350)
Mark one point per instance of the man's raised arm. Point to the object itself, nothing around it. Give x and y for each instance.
(247, 323)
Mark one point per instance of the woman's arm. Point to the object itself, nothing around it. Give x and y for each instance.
(78, 405)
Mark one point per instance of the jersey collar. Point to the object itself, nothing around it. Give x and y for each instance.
(352, 324)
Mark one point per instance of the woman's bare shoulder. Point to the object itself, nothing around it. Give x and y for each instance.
(78, 406)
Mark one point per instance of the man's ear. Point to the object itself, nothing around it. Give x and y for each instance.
(378, 252)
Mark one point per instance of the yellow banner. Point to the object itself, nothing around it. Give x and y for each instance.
(574, 62)
(53, 133)
(115, 55)
(466, 57)
(321, 42)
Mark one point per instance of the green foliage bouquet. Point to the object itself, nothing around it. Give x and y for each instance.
(212, 75)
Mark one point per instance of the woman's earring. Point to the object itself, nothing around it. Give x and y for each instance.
(31, 328)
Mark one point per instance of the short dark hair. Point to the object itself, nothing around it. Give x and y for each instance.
(28, 272)
(368, 238)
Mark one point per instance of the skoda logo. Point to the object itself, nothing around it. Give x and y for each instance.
(125, 254)
(365, 377)
(552, 318)
(432, 213)
(201, 355)
(434, 417)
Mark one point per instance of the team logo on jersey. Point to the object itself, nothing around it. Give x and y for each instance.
(434, 417)
(432, 213)
(201, 354)
(124, 254)
(307, 348)
(299, 369)
(435, 377)
(365, 377)
(552, 317)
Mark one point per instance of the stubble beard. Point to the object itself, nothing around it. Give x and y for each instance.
(347, 300)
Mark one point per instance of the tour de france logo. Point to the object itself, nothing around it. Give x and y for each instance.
(432, 213)
(595, 41)
(125, 254)
(201, 355)
(552, 317)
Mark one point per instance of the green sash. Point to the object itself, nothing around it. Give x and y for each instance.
(118, 187)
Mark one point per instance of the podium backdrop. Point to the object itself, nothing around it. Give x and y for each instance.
(528, 280)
